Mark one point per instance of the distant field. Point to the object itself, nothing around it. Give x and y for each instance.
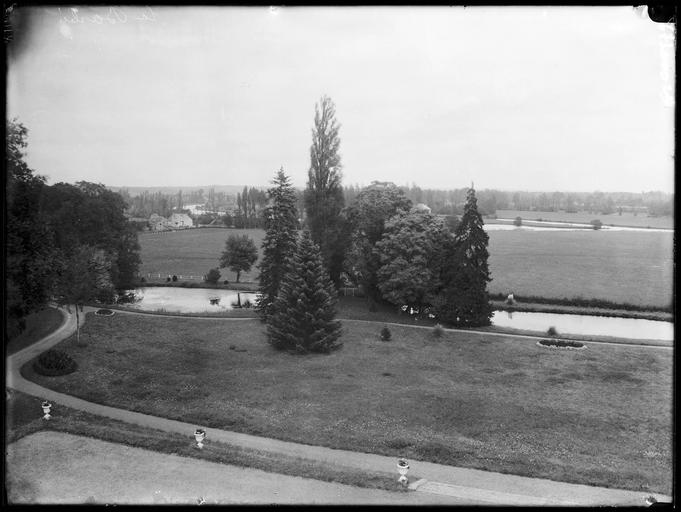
(192, 252)
(621, 267)
(626, 219)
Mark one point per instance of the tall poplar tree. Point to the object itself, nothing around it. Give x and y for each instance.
(324, 198)
(464, 300)
(279, 244)
(305, 308)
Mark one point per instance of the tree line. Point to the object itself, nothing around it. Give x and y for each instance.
(67, 243)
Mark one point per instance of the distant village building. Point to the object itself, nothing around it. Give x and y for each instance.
(180, 220)
(421, 208)
(175, 221)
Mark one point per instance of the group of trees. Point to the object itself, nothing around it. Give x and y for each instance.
(396, 252)
(70, 243)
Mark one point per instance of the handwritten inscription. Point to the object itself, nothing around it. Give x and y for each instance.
(111, 16)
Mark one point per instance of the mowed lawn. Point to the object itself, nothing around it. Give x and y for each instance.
(599, 416)
(192, 252)
(619, 266)
(626, 219)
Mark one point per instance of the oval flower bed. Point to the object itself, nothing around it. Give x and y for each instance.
(104, 312)
(561, 344)
(54, 363)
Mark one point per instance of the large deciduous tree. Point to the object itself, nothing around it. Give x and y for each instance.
(410, 256)
(464, 300)
(324, 198)
(30, 251)
(305, 308)
(367, 216)
(239, 255)
(279, 244)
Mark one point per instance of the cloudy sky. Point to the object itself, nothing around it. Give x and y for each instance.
(531, 98)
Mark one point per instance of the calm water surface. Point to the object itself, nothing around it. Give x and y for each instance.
(633, 328)
(189, 300)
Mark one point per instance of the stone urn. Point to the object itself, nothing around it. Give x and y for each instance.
(46, 409)
(199, 435)
(403, 469)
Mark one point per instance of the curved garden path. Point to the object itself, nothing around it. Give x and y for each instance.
(474, 486)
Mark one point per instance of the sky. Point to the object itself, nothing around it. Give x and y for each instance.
(512, 98)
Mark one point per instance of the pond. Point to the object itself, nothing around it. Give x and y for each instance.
(189, 300)
(566, 324)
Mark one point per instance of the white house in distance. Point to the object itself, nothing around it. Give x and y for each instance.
(175, 221)
(180, 220)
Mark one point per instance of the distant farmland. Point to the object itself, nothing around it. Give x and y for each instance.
(192, 252)
(621, 267)
(626, 219)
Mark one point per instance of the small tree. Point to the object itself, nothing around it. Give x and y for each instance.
(518, 221)
(83, 276)
(239, 255)
(213, 276)
(303, 313)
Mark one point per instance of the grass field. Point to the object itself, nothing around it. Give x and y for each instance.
(599, 416)
(621, 267)
(626, 219)
(192, 252)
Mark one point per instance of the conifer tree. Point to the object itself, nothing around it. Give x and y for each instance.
(279, 244)
(303, 312)
(464, 300)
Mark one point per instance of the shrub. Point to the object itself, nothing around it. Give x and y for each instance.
(596, 224)
(174, 279)
(518, 221)
(438, 331)
(168, 279)
(54, 363)
(385, 334)
(552, 331)
(561, 343)
(246, 304)
(225, 281)
(142, 280)
(213, 276)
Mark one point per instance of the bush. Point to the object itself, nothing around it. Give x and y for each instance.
(246, 304)
(438, 331)
(518, 221)
(561, 343)
(552, 331)
(385, 334)
(167, 279)
(142, 280)
(213, 276)
(225, 281)
(174, 279)
(54, 363)
(596, 224)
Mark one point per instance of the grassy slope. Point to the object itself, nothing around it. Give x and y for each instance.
(38, 325)
(490, 403)
(622, 267)
(626, 219)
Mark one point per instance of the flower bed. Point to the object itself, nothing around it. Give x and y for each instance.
(104, 312)
(566, 344)
(54, 363)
